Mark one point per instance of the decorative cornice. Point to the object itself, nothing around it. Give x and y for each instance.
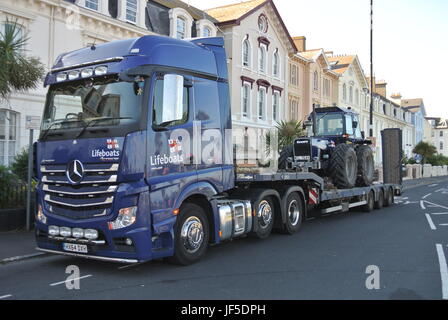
(247, 79)
(275, 88)
(263, 40)
(263, 83)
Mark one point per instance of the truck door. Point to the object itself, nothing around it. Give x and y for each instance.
(207, 116)
(170, 131)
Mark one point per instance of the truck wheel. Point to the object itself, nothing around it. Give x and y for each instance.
(294, 214)
(286, 153)
(191, 235)
(366, 166)
(264, 218)
(343, 167)
(380, 203)
(368, 207)
(389, 200)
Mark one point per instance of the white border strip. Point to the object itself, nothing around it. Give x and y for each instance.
(79, 278)
(431, 223)
(443, 271)
(6, 296)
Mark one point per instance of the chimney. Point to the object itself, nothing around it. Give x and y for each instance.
(380, 88)
(300, 43)
(396, 97)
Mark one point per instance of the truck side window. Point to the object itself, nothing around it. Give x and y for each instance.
(349, 124)
(171, 101)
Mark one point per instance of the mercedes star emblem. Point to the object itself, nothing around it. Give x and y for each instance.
(75, 172)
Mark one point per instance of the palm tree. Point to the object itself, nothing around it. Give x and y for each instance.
(286, 132)
(18, 72)
(425, 149)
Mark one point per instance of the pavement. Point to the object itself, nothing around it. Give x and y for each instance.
(330, 258)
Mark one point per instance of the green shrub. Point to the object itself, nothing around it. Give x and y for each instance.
(20, 165)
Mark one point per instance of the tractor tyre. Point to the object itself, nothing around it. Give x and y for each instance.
(366, 166)
(343, 167)
(286, 153)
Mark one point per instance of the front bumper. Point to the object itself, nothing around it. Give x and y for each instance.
(86, 256)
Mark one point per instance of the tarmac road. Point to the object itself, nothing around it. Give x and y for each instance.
(407, 244)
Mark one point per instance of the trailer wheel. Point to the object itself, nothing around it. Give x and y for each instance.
(191, 235)
(368, 207)
(294, 214)
(380, 203)
(389, 200)
(264, 218)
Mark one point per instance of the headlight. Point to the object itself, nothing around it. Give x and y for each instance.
(126, 217)
(87, 73)
(65, 232)
(100, 71)
(40, 215)
(53, 231)
(72, 75)
(77, 233)
(61, 77)
(91, 234)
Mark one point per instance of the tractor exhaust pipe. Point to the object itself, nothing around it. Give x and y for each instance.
(314, 121)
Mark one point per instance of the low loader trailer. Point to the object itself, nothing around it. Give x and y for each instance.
(120, 178)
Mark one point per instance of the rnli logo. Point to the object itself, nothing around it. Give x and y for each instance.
(75, 172)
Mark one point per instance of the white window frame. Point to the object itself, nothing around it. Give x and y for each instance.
(247, 85)
(6, 158)
(181, 22)
(275, 94)
(98, 4)
(262, 49)
(249, 54)
(176, 13)
(262, 117)
(129, 9)
(316, 81)
(203, 24)
(276, 56)
(344, 92)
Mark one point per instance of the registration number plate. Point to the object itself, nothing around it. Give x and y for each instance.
(80, 248)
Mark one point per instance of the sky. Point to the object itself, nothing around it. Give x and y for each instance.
(410, 40)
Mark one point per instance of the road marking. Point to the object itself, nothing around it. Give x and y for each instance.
(440, 214)
(427, 196)
(422, 205)
(24, 257)
(433, 185)
(431, 223)
(443, 271)
(79, 278)
(6, 296)
(444, 224)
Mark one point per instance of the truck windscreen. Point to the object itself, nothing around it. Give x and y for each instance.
(330, 124)
(105, 103)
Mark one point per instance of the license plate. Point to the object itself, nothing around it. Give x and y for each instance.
(81, 248)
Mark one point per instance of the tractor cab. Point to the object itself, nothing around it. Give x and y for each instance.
(336, 124)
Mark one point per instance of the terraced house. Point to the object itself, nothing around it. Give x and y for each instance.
(55, 27)
(257, 45)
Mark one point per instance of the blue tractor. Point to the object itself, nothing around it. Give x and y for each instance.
(335, 148)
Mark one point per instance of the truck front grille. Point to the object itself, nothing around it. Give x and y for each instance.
(92, 197)
(302, 150)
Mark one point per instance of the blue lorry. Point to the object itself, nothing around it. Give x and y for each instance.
(117, 180)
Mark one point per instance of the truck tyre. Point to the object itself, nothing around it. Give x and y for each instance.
(294, 214)
(389, 199)
(369, 206)
(380, 203)
(343, 167)
(191, 235)
(286, 153)
(264, 218)
(366, 166)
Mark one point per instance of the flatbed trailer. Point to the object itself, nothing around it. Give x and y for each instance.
(317, 196)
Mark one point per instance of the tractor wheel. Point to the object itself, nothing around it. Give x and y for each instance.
(343, 167)
(366, 166)
(286, 153)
